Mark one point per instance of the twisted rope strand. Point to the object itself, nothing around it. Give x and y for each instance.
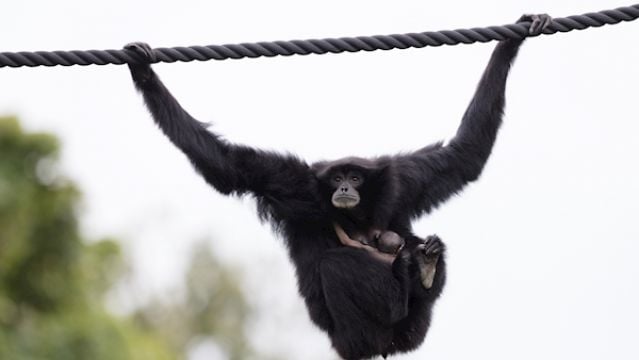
(318, 46)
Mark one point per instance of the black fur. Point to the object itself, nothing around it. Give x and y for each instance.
(366, 306)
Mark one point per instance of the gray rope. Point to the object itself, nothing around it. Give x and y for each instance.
(318, 46)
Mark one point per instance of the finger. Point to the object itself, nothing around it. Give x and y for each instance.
(547, 20)
(535, 26)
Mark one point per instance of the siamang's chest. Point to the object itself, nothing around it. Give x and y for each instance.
(311, 238)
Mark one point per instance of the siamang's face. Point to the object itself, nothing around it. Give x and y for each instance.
(345, 184)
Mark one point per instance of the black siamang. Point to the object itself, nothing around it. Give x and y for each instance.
(370, 302)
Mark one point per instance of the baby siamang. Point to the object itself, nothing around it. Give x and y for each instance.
(370, 302)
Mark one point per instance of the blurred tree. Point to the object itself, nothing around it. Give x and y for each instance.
(213, 309)
(52, 282)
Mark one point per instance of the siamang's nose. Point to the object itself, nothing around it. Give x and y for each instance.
(344, 189)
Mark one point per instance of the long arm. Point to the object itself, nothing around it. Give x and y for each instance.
(434, 173)
(280, 182)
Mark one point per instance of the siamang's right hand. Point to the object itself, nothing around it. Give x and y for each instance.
(538, 22)
(141, 68)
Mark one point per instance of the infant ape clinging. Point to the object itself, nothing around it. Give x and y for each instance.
(389, 242)
(369, 302)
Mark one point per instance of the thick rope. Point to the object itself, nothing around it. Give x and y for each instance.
(318, 46)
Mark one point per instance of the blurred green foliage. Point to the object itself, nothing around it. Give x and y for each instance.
(53, 282)
(213, 307)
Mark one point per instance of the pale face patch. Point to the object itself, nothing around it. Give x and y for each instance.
(342, 201)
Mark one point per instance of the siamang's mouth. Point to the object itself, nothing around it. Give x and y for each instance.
(346, 197)
(345, 201)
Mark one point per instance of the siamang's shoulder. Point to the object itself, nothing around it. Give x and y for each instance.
(419, 153)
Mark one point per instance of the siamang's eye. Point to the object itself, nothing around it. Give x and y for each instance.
(338, 179)
(355, 178)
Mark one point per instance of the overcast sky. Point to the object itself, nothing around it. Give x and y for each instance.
(542, 249)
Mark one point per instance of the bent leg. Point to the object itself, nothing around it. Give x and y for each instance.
(360, 294)
(428, 268)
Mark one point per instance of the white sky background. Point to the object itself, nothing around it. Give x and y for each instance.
(542, 250)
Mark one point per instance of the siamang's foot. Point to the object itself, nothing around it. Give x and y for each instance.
(141, 70)
(433, 246)
(427, 255)
(538, 22)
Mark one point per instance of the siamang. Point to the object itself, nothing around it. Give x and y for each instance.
(370, 301)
